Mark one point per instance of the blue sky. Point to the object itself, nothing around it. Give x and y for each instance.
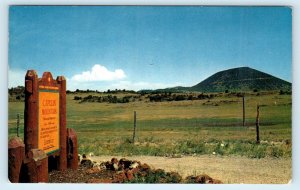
(146, 47)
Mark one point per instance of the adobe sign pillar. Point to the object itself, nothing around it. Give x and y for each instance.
(16, 155)
(37, 166)
(72, 149)
(62, 165)
(30, 113)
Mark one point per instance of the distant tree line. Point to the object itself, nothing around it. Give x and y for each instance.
(16, 93)
(116, 91)
(108, 99)
(178, 97)
(150, 97)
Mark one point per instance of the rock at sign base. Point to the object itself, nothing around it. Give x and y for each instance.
(135, 170)
(129, 175)
(99, 181)
(216, 181)
(175, 176)
(125, 163)
(102, 166)
(115, 167)
(93, 170)
(205, 179)
(145, 167)
(134, 165)
(87, 163)
(119, 178)
(114, 161)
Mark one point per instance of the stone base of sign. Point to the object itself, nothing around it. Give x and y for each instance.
(36, 165)
(72, 149)
(16, 155)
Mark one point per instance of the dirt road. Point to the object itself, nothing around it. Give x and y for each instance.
(231, 169)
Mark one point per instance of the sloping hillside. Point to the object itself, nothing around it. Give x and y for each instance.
(241, 79)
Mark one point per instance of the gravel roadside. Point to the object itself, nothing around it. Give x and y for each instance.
(233, 169)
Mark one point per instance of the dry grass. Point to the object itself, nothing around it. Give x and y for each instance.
(193, 130)
(104, 128)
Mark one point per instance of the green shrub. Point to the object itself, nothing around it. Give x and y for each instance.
(276, 152)
(257, 151)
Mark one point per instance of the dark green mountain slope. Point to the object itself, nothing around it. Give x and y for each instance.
(241, 79)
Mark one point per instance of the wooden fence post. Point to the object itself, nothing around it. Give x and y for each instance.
(257, 126)
(134, 126)
(18, 125)
(243, 110)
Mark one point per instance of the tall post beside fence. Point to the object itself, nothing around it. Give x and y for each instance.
(257, 125)
(134, 126)
(244, 122)
(18, 125)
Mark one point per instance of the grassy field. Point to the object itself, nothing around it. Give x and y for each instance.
(176, 128)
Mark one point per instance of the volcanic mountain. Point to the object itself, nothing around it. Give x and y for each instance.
(240, 79)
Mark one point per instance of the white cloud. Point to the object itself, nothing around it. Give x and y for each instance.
(16, 78)
(128, 85)
(100, 78)
(99, 73)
